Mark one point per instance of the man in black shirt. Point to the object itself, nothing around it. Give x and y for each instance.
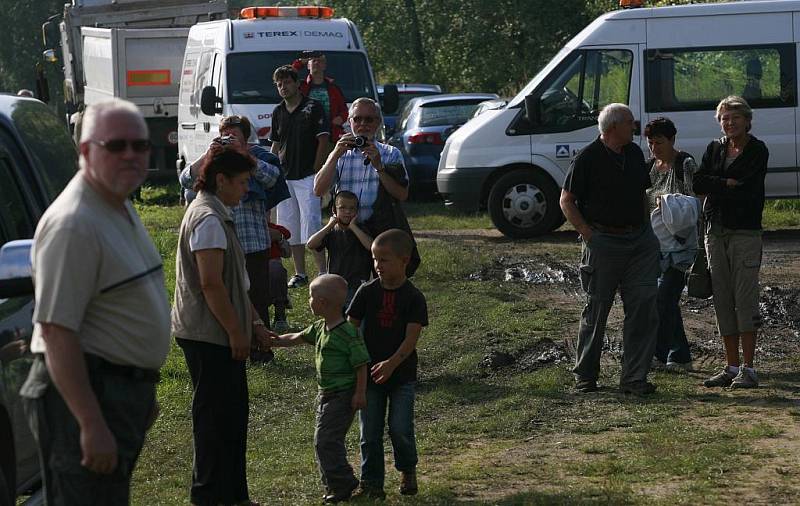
(299, 137)
(604, 199)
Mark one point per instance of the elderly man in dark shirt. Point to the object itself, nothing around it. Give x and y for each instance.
(604, 199)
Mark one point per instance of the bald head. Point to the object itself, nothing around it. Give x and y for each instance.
(330, 287)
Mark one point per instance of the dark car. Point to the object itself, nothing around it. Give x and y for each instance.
(424, 125)
(405, 93)
(37, 159)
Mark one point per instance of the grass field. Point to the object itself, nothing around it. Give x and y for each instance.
(505, 437)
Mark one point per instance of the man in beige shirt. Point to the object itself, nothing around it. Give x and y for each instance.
(101, 318)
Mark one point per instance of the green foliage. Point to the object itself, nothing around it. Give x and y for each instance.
(464, 45)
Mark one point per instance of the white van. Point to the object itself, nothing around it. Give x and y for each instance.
(228, 66)
(676, 62)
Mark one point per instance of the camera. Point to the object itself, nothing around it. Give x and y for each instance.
(224, 140)
(360, 141)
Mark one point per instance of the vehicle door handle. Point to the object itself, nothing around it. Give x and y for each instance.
(188, 126)
(206, 126)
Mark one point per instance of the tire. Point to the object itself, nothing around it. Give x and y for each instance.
(6, 493)
(524, 204)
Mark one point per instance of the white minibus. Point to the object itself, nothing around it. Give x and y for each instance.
(674, 61)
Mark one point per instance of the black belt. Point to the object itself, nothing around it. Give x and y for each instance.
(99, 365)
(616, 230)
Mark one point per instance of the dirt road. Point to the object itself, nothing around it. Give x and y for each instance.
(767, 417)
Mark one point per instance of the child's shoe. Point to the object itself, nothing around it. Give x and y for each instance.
(408, 483)
(369, 491)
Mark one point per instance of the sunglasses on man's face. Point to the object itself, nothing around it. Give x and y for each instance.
(120, 145)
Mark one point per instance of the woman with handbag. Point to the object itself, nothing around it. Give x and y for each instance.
(671, 173)
(731, 177)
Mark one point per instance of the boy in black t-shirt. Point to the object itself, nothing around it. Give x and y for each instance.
(348, 246)
(393, 312)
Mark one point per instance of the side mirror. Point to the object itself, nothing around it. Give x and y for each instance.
(42, 86)
(532, 108)
(210, 103)
(15, 269)
(391, 98)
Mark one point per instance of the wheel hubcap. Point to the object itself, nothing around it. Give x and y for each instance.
(524, 205)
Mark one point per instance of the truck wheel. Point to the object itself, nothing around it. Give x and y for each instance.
(524, 203)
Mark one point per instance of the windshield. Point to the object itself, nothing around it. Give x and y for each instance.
(447, 113)
(539, 77)
(406, 97)
(250, 75)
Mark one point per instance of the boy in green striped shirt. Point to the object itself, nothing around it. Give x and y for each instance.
(341, 361)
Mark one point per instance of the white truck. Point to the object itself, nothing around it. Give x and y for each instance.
(131, 49)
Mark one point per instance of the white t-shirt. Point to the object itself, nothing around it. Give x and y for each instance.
(210, 234)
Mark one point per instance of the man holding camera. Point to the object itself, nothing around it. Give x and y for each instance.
(358, 162)
(299, 136)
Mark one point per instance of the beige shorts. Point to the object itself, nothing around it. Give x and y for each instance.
(734, 259)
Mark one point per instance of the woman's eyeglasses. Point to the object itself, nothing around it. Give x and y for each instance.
(120, 145)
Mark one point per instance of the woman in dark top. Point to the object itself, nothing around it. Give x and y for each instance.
(671, 171)
(732, 179)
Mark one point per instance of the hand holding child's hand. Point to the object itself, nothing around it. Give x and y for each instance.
(263, 335)
(382, 371)
(359, 401)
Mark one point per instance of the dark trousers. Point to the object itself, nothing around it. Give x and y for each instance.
(219, 423)
(334, 417)
(257, 265)
(127, 405)
(672, 345)
(630, 263)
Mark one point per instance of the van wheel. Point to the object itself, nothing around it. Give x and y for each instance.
(6, 498)
(524, 203)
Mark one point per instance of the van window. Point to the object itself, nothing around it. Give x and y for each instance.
(587, 81)
(15, 223)
(250, 75)
(49, 144)
(694, 79)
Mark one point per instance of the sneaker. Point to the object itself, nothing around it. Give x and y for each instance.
(408, 483)
(342, 496)
(678, 366)
(280, 326)
(370, 492)
(585, 386)
(721, 379)
(297, 281)
(638, 388)
(745, 379)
